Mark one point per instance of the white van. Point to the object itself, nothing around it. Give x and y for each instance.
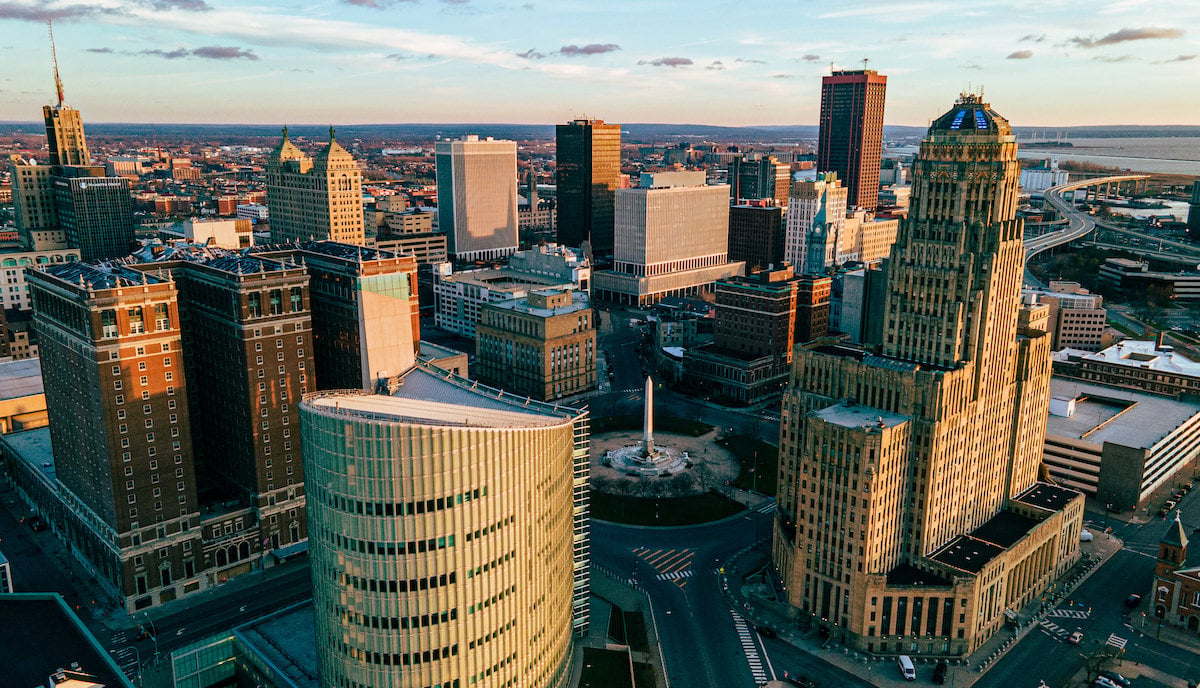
(906, 667)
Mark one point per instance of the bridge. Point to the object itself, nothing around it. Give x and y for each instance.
(1079, 224)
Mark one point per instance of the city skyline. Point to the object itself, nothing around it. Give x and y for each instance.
(465, 59)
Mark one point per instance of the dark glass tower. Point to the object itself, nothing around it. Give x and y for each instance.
(851, 137)
(588, 155)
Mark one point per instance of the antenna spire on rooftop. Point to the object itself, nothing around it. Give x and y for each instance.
(58, 87)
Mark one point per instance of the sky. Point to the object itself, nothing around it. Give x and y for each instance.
(1040, 62)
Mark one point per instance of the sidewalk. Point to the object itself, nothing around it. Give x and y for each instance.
(758, 604)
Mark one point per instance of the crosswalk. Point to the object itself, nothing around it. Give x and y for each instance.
(127, 658)
(1116, 641)
(669, 564)
(1054, 629)
(746, 638)
(766, 508)
(1068, 613)
(675, 575)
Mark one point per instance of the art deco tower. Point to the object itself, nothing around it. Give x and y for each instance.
(910, 516)
(588, 156)
(850, 141)
(315, 198)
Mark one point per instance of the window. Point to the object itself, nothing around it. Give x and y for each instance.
(141, 365)
(275, 298)
(136, 326)
(297, 299)
(144, 380)
(116, 370)
(254, 305)
(108, 324)
(162, 320)
(168, 376)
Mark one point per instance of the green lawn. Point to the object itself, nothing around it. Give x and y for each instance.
(676, 511)
(759, 463)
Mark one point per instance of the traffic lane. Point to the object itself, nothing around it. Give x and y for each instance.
(1038, 657)
(700, 645)
(796, 663)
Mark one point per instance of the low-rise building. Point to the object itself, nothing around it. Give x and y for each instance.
(1116, 444)
(1146, 366)
(458, 296)
(1076, 319)
(22, 396)
(14, 292)
(541, 346)
(1135, 276)
(1175, 594)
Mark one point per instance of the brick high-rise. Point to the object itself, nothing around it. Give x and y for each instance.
(910, 512)
(850, 141)
(317, 197)
(119, 425)
(588, 159)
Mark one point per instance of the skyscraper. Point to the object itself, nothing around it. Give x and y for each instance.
(910, 515)
(95, 212)
(672, 239)
(33, 203)
(119, 425)
(477, 197)
(816, 216)
(444, 519)
(756, 176)
(588, 159)
(64, 135)
(314, 197)
(850, 141)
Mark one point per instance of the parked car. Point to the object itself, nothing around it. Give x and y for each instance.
(1075, 638)
(1104, 683)
(939, 672)
(1086, 536)
(1114, 677)
(1133, 600)
(906, 667)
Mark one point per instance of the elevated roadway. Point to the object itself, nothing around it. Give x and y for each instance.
(1079, 224)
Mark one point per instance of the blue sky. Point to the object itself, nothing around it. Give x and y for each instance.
(1041, 62)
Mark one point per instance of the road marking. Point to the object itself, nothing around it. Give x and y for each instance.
(1116, 641)
(766, 508)
(675, 575)
(1053, 628)
(1068, 614)
(749, 648)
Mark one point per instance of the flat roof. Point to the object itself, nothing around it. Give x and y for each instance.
(33, 447)
(287, 640)
(506, 279)
(432, 350)
(907, 574)
(432, 397)
(1004, 529)
(21, 379)
(967, 554)
(39, 634)
(246, 265)
(105, 276)
(1121, 416)
(1047, 496)
(1146, 356)
(850, 415)
(579, 302)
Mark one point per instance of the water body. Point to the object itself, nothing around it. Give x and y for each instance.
(1166, 155)
(1178, 209)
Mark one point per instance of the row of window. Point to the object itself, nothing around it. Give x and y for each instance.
(399, 622)
(400, 659)
(397, 586)
(391, 548)
(354, 506)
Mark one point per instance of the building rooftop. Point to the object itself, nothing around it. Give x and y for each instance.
(33, 447)
(429, 396)
(246, 265)
(21, 379)
(907, 574)
(1004, 529)
(967, 554)
(1047, 496)
(504, 279)
(97, 277)
(39, 635)
(1121, 416)
(971, 115)
(579, 302)
(851, 415)
(287, 640)
(1146, 355)
(430, 350)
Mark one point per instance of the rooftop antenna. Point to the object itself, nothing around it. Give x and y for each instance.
(58, 89)
(865, 61)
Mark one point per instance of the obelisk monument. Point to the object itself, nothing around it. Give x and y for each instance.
(648, 420)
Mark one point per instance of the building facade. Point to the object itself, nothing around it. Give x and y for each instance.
(910, 516)
(477, 197)
(813, 294)
(588, 163)
(756, 235)
(314, 198)
(95, 213)
(122, 450)
(816, 216)
(33, 205)
(1076, 318)
(672, 239)
(1147, 366)
(64, 135)
(14, 291)
(448, 535)
(542, 346)
(850, 141)
(756, 176)
(1175, 595)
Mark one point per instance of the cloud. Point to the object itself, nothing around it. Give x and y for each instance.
(1107, 58)
(1177, 58)
(667, 62)
(375, 4)
(589, 49)
(972, 66)
(208, 52)
(188, 5)
(750, 60)
(456, 2)
(1032, 38)
(42, 11)
(531, 54)
(224, 52)
(1020, 55)
(810, 57)
(716, 66)
(1124, 36)
(783, 76)
(397, 56)
(99, 50)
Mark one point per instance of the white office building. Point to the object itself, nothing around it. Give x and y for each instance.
(477, 197)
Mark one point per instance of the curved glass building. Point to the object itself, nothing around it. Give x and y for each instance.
(447, 532)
